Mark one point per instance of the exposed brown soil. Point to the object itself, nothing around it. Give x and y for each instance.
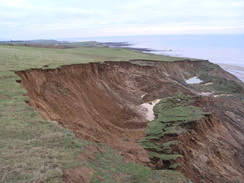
(99, 103)
(83, 174)
(4, 97)
(211, 152)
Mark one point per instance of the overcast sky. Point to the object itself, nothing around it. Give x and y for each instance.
(33, 19)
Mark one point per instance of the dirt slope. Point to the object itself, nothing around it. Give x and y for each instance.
(99, 102)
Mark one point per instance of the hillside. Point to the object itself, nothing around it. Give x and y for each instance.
(83, 121)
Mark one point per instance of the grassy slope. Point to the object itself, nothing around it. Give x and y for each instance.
(34, 150)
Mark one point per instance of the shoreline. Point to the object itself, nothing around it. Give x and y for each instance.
(234, 69)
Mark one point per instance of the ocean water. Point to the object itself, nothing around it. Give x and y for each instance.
(226, 50)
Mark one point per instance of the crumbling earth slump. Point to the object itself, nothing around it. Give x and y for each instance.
(99, 102)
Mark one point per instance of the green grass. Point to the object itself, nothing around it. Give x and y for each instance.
(35, 150)
(109, 164)
(164, 156)
(17, 57)
(159, 147)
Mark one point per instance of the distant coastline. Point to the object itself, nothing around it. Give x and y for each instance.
(224, 50)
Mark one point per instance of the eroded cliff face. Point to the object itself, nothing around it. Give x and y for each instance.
(211, 152)
(99, 103)
(214, 147)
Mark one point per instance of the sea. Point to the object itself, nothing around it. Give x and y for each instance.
(226, 50)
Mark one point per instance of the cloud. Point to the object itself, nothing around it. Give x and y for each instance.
(33, 18)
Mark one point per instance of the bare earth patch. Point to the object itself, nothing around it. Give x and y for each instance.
(79, 174)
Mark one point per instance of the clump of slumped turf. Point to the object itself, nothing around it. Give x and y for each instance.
(173, 114)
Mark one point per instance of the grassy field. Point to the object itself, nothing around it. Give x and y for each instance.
(19, 57)
(35, 150)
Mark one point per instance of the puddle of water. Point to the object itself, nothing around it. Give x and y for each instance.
(194, 80)
(148, 109)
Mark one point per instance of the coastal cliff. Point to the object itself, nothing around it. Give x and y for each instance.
(100, 102)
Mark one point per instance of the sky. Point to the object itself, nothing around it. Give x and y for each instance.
(54, 19)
